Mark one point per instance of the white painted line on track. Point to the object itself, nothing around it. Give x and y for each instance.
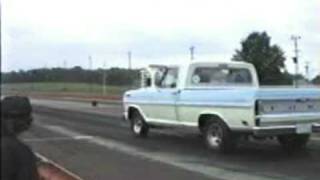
(57, 139)
(176, 160)
(44, 159)
(315, 138)
(61, 130)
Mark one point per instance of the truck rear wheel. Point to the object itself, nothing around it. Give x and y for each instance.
(218, 137)
(294, 142)
(138, 126)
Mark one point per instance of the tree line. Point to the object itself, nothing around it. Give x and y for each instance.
(113, 76)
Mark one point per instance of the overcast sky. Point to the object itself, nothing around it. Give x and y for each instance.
(45, 33)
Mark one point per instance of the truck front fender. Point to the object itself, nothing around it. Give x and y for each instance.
(207, 115)
(133, 107)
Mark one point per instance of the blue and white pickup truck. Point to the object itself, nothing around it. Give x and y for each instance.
(224, 101)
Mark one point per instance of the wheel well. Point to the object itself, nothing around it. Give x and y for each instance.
(131, 111)
(204, 118)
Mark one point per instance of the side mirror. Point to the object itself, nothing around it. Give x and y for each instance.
(173, 85)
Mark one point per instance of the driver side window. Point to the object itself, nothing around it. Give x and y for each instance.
(167, 78)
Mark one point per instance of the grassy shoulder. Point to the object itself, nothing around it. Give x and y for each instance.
(64, 89)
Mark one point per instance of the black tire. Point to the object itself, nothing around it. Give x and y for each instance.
(294, 142)
(202, 130)
(138, 126)
(218, 137)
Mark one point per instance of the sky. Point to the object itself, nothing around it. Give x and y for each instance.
(46, 33)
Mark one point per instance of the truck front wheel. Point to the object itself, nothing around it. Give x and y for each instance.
(218, 137)
(294, 142)
(138, 126)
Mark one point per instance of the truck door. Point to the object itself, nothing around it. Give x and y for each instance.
(166, 95)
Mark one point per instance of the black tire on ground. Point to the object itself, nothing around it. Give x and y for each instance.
(218, 137)
(202, 130)
(294, 142)
(138, 126)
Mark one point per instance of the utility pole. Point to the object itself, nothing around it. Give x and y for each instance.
(192, 52)
(307, 70)
(129, 60)
(295, 39)
(64, 68)
(64, 64)
(90, 62)
(104, 76)
(90, 69)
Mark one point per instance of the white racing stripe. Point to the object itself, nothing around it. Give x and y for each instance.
(184, 162)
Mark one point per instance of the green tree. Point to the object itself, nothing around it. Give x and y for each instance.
(316, 80)
(268, 59)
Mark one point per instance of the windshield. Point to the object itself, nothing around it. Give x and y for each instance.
(215, 76)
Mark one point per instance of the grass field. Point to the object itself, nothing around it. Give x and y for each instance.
(77, 88)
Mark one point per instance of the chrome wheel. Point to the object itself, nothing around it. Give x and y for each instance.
(137, 127)
(214, 137)
(218, 137)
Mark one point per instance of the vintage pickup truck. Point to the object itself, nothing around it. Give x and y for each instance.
(225, 102)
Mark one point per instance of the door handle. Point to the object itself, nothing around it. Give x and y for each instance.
(176, 92)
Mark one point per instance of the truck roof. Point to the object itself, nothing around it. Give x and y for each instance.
(199, 62)
(185, 67)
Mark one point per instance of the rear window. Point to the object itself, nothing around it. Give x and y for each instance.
(217, 76)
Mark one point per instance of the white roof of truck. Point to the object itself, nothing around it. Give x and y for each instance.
(199, 62)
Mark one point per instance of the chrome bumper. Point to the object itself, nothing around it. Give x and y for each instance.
(288, 119)
(279, 130)
(277, 124)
